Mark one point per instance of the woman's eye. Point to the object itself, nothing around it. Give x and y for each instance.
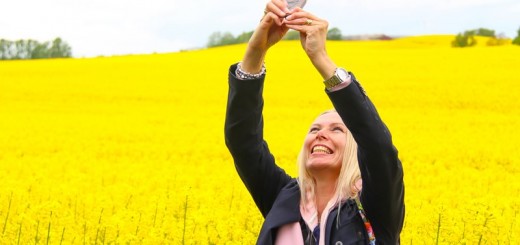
(313, 130)
(338, 129)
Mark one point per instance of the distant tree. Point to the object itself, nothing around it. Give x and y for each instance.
(214, 39)
(484, 32)
(5, 53)
(334, 34)
(11, 50)
(226, 38)
(59, 49)
(466, 39)
(292, 35)
(244, 37)
(220, 39)
(40, 51)
(22, 48)
(31, 49)
(516, 40)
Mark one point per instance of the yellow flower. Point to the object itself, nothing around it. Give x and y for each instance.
(130, 149)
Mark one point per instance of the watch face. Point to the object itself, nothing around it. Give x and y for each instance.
(342, 74)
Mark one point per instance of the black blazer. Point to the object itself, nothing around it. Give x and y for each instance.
(277, 195)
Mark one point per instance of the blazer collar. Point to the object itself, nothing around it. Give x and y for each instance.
(286, 207)
(285, 210)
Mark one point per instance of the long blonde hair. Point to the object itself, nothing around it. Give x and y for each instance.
(348, 176)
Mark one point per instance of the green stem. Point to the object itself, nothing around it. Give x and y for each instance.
(19, 233)
(438, 229)
(36, 236)
(62, 235)
(155, 215)
(49, 230)
(8, 211)
(185, 212)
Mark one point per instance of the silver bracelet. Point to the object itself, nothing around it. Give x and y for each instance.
(243, 75)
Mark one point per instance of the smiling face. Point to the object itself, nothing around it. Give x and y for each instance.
(325, 143)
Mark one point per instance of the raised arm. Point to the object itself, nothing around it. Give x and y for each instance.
(381, 171)
(244, 122)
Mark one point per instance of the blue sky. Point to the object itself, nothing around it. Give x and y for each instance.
(115, 27)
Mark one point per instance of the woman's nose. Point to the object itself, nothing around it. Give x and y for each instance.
(321, 135)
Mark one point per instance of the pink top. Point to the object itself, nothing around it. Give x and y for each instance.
(291, 234)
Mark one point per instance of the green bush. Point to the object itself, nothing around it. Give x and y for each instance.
(466, 39)
(497, 41)
(516, 41)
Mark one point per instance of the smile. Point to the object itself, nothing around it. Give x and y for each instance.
(321, 149)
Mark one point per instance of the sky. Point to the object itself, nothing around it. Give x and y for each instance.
(117, 27)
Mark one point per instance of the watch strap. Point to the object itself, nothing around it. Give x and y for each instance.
(334, 80)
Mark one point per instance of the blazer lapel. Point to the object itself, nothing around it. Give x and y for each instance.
(285, 210)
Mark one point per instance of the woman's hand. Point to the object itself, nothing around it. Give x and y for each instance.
(313, 36)
(269, 32)
(271, 28)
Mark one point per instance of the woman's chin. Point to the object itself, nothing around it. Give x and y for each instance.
(321, 163)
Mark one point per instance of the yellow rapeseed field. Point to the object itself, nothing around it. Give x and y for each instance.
(130, 149)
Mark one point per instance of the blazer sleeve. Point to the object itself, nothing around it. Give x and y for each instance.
(244, 139)
(381, 170)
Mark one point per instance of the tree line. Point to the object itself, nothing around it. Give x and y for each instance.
(464, 39)
(227, 38)
(32, 49)
(467, 38)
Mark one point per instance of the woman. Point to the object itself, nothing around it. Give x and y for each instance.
(328, 203)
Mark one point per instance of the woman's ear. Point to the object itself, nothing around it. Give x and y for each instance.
(356, 186)
(359, 184)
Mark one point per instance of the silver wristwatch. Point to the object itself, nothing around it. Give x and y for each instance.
(340, 75)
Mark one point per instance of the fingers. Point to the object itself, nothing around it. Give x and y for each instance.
(299, 13)
(278, 7)
(300, 17)
(306, 24)
(300, 20)
(297, 19)
(270, 17)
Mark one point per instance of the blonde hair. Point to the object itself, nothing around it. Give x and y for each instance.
(348, 175)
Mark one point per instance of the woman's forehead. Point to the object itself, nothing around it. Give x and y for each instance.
(328, 118)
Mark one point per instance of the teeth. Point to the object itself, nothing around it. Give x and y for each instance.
(320, 148)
